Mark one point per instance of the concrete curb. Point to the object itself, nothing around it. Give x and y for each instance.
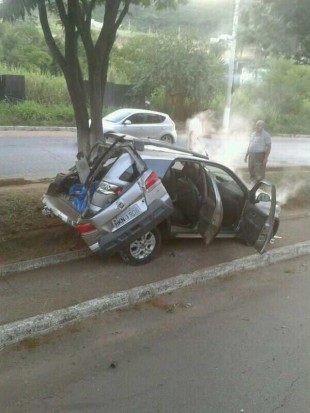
(73, 129)
(39, 128)
(42, 262)
(44, 323)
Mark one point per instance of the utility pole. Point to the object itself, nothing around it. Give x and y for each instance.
(231, 68)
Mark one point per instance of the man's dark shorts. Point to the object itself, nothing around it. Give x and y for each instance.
(256, 166)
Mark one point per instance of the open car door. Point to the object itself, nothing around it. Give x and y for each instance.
(258, 217)
(211, 212)
(197, 202)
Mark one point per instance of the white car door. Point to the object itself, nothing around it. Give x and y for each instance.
(154, 127)
(134, 125)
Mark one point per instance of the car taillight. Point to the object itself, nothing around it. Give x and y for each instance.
(150, 180)
(83, 228)
(107, 189)
(117, 190)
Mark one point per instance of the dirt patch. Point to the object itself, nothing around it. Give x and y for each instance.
(25, 233)
(14, 182)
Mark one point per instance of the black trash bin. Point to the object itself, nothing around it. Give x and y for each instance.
(12, 88)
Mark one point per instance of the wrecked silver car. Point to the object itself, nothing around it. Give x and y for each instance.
(127, 196)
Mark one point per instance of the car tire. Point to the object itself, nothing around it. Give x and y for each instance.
(167, 139)
(143, 249)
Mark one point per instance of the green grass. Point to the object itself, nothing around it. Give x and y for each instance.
(31, 113)
(47, 101)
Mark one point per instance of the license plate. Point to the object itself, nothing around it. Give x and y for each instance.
(127, 216)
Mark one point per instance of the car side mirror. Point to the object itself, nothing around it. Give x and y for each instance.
(263, 197)
(127, 122)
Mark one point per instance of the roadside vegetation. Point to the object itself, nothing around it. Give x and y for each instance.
(47, 101)
(281, 97)
(180, 72)
(178, 75)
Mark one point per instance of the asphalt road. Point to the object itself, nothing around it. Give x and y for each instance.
(33, 154)
(232, 345)
(36, 154)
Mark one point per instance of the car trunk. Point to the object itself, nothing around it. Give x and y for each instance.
(117, 188)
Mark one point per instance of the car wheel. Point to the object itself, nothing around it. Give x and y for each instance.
(167, 138)
(143, 249)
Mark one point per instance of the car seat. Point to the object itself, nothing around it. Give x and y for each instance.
(193, 171)
(188, 197)
(169, 182)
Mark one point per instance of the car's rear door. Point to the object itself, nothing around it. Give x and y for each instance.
(136, 210)
(137, 187)
(154, 127)
(258, 217)
(211, 211)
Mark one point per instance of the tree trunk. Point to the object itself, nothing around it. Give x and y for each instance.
(75, 25)
(96, 90)
(97, 82)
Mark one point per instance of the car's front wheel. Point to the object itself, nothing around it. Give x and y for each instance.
(167, 139)
(143, 249)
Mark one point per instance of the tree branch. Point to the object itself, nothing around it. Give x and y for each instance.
(123, 13)
(62, 11)
(90, 9)
(111, 11)
(48, 35)
(83, 25)
(70, 33)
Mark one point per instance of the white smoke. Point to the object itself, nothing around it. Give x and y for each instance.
(230, 148)
(290, 187)
(226, 148)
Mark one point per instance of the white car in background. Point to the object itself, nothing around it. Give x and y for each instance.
(141, 123)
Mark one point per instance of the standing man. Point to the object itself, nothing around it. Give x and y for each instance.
(258, 152)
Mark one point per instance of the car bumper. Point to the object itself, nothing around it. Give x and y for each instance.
(110, 243)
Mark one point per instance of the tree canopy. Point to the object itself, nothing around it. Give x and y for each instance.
(187, 71)
(22, 45)
(281, 98)
(278, 27)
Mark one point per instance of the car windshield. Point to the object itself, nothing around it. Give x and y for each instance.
(117, 116)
